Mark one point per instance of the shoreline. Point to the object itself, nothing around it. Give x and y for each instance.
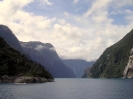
(24, 79)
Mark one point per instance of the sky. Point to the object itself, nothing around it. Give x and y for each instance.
(78, 29)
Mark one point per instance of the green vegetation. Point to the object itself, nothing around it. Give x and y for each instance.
(112, 62)
(13, 63)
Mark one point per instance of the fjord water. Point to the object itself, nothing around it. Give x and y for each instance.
(70, 89)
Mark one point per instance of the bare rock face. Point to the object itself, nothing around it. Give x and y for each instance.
(128, 72)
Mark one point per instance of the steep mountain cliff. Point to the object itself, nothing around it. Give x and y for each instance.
(47, 56)
(11, 39)
(114, 59)
(13, 63)
(77, 65)
(128, 72)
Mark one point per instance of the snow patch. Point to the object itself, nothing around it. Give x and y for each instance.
(40, 47)
(52, 49)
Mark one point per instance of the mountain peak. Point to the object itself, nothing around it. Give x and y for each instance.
(3, 26)
(45, 54)
(10, 38)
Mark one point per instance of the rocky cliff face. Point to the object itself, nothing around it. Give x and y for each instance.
(45, 54)
(128, 72)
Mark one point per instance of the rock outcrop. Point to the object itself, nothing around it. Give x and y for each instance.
(128, 72)
(23, 79)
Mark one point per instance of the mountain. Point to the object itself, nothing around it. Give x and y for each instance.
(114, 60)
(77, 65)
(45, 54)
(11, 39)
(13, 63)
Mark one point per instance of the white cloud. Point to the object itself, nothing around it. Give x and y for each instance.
(46, 2)
(129, 16)
(40, 47)
(97, 7)
(121, 3)
(75, 1)
(52, 49)
(67, 14)
(116, 12)
(113, 12)
(127, 11)
(11, 7)
(78, 9)
(85, 36)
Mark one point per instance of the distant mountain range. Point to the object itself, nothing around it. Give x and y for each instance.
(77, 65)
(116, 61)
(45, 54)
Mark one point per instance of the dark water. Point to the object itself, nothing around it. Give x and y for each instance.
(70, 89)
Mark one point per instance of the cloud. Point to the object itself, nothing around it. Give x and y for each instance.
(116, 12)
(82, 36)
(52, 49)
(67, 14)
(130, 15)
(75, 1)
(127, 11)
(46, 2)
(11, 7)
(121, 3)
(97, 7)
(40, 47)
(113, 13)
(78, 9)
